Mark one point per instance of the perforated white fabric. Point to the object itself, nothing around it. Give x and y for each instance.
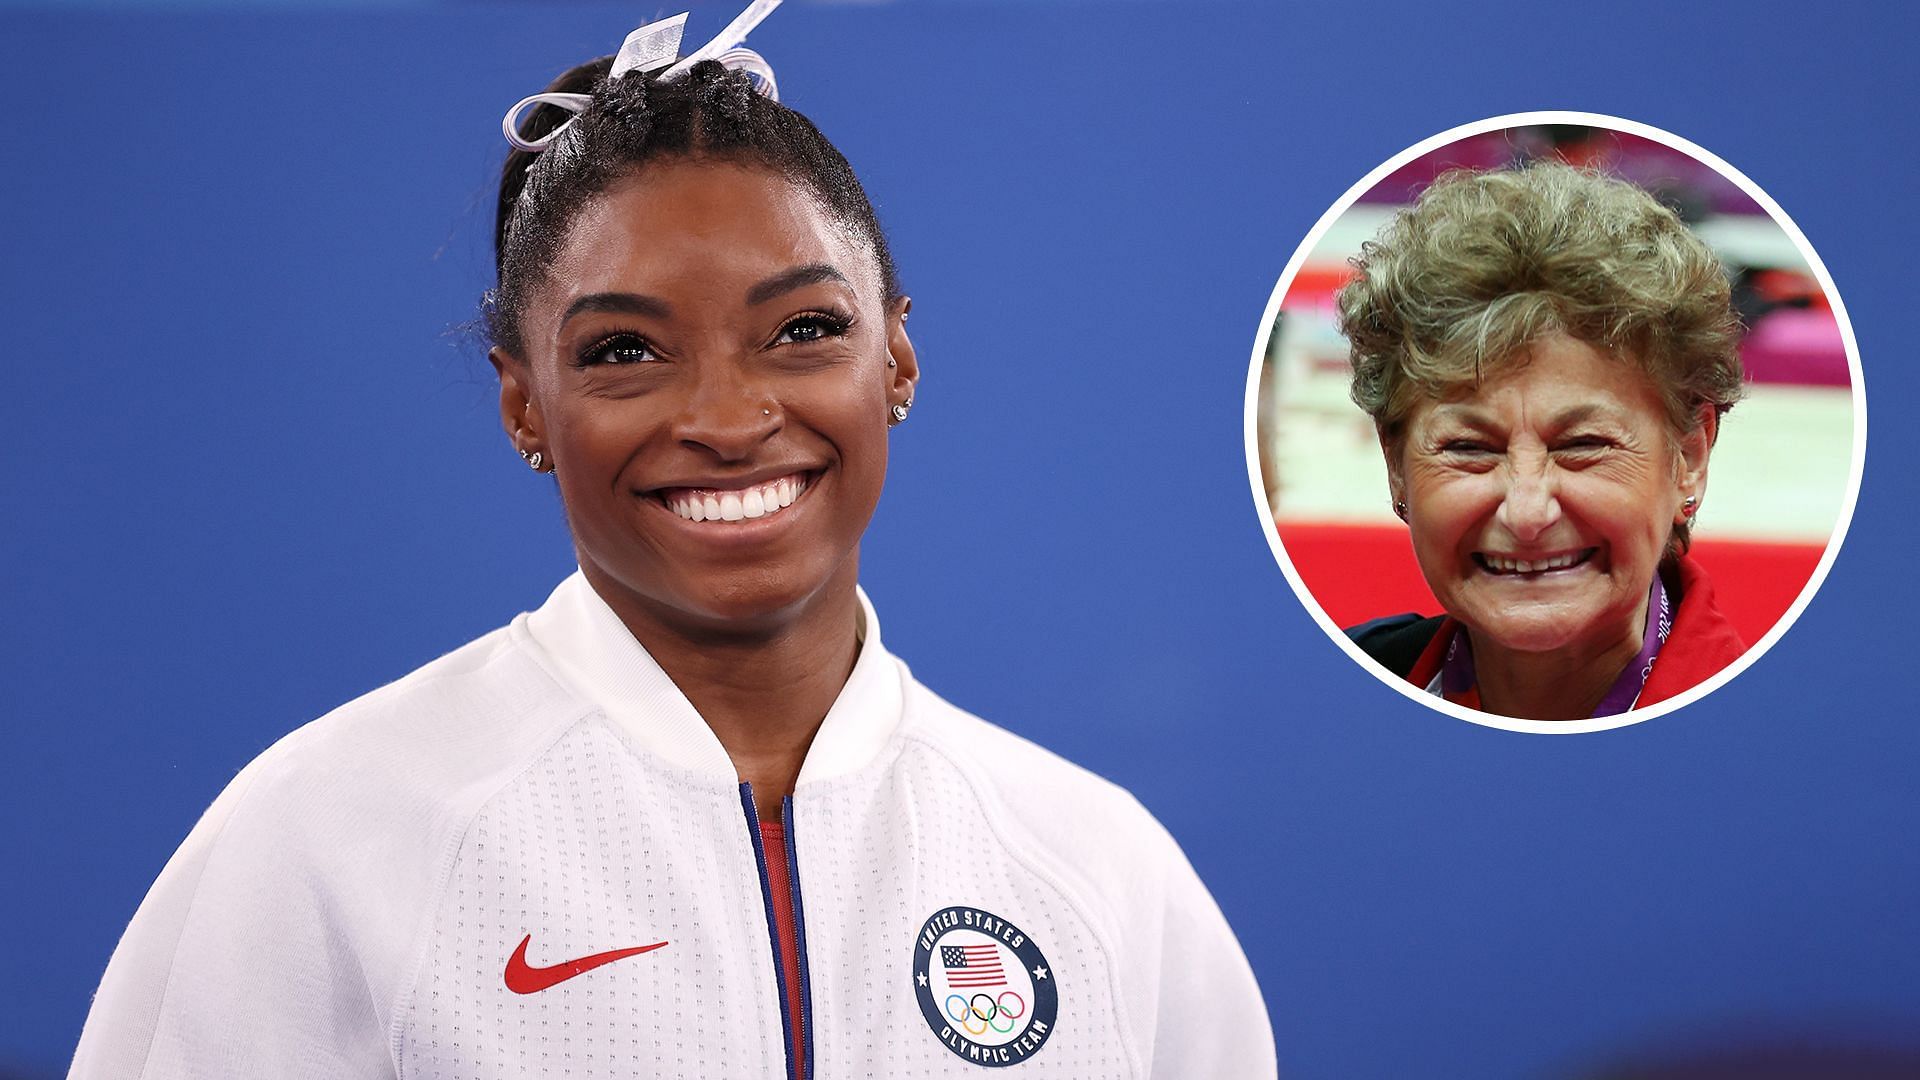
(588, 851)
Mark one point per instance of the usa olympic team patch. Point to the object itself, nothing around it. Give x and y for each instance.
(984, 986)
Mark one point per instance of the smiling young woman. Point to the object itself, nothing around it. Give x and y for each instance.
(578, 845)
(709, 372)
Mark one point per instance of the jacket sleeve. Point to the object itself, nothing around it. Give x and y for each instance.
(236, 965)
(1210, 1020)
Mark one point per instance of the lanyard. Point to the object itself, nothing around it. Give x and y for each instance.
(1458, 684)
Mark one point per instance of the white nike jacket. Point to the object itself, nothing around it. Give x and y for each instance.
(455, 876)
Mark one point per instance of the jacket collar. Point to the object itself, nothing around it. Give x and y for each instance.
(595, 656)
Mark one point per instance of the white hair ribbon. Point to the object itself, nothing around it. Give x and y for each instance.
(650, 48)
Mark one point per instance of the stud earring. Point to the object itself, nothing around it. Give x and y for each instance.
(1400, 509)
(900, 411)
(534, 460)
(1687, 506)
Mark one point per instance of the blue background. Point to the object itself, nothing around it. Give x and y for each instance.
(254, 470)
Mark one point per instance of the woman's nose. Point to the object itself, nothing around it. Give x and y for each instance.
(726, 413)
(1532, 503)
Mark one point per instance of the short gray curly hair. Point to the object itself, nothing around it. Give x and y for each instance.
(1485, 263)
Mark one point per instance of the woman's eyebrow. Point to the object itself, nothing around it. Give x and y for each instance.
(618, 303)
(1578, 414)
(788, 280)
(1465, 415)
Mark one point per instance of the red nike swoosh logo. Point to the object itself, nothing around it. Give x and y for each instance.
(523, 978)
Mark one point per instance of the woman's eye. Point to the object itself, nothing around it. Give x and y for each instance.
(619, 349)
(808, 328)
(1586, 444)
(1465, 446)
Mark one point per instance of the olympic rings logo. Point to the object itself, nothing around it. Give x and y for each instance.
(982, 986)
(987, 1010)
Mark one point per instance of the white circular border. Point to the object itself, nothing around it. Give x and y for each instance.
(1251, 422)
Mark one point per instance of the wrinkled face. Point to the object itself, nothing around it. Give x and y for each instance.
(707, 370)
(1541, 503)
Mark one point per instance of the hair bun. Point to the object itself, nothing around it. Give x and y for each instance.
(709, 111)
(626, 103)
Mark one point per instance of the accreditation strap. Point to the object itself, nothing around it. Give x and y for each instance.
(1457, 682)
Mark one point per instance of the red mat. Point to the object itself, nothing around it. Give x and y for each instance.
(1361, 572)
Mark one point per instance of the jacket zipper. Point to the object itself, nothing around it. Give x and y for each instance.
(799, 936)
(787, 1026)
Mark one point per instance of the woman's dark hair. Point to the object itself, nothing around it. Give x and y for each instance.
(710, 114)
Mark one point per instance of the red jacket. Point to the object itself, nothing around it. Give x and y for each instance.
(1701, 643)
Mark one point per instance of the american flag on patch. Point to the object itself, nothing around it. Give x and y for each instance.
(973, 965)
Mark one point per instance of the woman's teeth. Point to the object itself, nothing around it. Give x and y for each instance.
(1501, 565)
(744, 504)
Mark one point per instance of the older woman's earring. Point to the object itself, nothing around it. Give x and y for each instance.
(1400, 509)
(900, 411)
(1687, 507)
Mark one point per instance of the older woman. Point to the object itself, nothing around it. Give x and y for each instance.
(1546, 354)
(689, 818)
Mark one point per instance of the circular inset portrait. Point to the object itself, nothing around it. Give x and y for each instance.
(1555, 422)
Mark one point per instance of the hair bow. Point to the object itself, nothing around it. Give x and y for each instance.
(651, 48)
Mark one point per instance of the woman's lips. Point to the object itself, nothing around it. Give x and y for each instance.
(724, 505)
(1512, 566)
